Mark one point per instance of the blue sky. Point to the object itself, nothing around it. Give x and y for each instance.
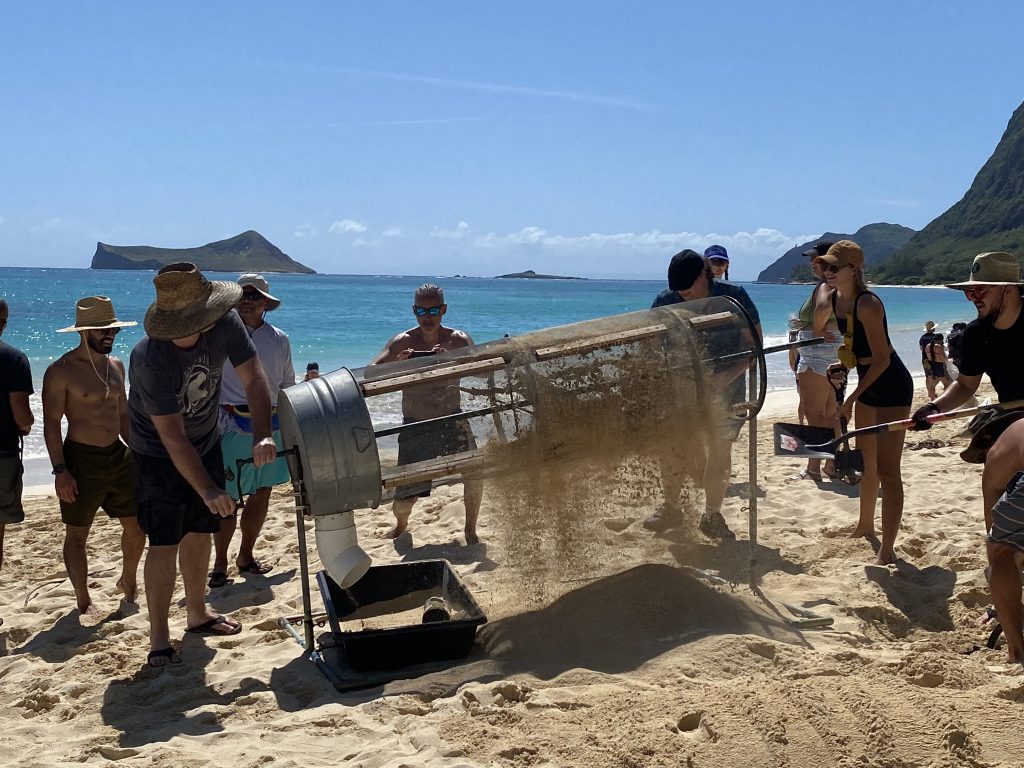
(584, 138)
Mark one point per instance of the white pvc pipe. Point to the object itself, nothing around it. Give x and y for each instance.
(338, 547)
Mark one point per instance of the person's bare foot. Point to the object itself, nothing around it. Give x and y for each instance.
(472, 538)
(86, 607)
(398, 530)
(130, 591)
(886, 558)
(863, 533)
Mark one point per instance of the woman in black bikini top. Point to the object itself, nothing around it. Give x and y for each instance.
(884, 390)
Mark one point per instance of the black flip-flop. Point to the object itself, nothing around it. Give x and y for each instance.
(217, 579)
(256, 567)
(164, 653)
(207, 627)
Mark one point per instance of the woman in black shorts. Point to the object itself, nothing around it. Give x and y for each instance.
(884, 389)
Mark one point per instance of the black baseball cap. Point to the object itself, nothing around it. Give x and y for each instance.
(684, 269)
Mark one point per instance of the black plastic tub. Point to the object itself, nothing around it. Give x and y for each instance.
(391, 589)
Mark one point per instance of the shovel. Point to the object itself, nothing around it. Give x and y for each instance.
(799, 440)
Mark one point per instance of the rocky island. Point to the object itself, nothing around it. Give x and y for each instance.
(531, 275)
(247, 252)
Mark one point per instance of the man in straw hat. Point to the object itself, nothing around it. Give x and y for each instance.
(926, 340)
(275, 354)
(15, 422)
(173, 409)
(92, 466)
(993, 344)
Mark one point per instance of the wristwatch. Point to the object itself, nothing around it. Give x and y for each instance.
(58, 468)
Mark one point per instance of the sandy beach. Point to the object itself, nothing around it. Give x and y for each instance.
(660, 656)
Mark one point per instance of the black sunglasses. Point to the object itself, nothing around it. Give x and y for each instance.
(252, 295)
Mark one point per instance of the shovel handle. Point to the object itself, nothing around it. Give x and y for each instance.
(902, 424)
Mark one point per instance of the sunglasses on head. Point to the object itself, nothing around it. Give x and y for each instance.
(973, 294)
(424, 311)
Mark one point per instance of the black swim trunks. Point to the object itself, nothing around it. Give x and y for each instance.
(429, 442)
(168, 506)
(939, 370)
(11, 471)
(105, 478)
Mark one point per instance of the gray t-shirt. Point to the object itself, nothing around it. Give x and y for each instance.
(166, 379)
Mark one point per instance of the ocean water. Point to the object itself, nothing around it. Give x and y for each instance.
(344, 320)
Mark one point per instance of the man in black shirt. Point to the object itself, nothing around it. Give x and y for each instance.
(993, 344)
(924, 342)
(15, 422)
(690, 279)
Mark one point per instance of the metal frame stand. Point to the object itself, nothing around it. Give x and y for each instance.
(306, 638)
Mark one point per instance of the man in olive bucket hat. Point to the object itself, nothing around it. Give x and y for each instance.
(92, 466)
(275, 354)
(994, 344)
(173, 406)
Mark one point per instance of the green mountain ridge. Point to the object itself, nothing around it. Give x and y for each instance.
(878, 241)
(247, 252)
(989, 217)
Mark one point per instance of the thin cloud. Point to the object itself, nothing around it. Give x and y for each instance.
(389, 232)
(460, 232)
(479, 85)
(347, 226)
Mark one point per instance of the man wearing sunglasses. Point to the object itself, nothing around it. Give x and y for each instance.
(92, 466)
(993, 344)
(430, 401)
(275, 354)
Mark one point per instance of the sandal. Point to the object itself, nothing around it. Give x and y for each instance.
(217, 579)
(256, 567)
(815, 476)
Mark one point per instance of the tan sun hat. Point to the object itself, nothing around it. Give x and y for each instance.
(260, 283)
(930, 325)
(94, 313)
(992, 268)
(186, 302)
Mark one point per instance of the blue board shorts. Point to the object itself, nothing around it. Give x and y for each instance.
(238, 445)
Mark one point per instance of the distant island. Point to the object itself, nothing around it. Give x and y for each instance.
(247, 252)
(531, 275)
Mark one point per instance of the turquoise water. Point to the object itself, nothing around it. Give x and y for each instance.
(343, 320)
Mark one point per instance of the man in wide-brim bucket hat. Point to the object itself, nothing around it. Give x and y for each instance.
(186, 302)
(993, 344)
(173, 409)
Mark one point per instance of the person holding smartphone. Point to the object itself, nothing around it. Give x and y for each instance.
(430, 401)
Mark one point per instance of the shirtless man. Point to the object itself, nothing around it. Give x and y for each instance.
(429, 402)
(92, 466)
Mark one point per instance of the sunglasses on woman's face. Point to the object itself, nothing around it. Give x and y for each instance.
(976, 294)
(832, 268)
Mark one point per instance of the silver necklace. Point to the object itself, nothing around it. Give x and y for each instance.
(105, 379)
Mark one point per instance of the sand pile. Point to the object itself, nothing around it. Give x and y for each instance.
(650, 665)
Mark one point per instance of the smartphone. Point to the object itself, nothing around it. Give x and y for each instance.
(422, 353)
